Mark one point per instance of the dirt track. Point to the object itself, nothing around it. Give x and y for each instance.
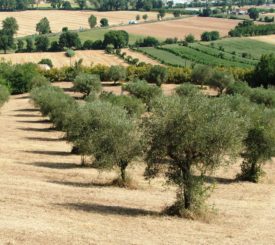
(46, 198)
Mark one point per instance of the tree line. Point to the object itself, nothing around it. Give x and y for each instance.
(186, 136)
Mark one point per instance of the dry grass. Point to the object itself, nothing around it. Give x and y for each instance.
(181, 28)
(59, 59)
(74, 20)
(46, 198)
(267, 39)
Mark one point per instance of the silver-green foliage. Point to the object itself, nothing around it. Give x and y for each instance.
(194, 135)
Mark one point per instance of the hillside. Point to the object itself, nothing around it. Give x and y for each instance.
(47, 198)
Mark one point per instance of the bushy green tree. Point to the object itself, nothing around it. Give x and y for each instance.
(4, 94)
(144, 91)
(104, 22)
(87, 84)
(42, 43)
(193, 137)
(117, 73)
(253, 13)
(43, 26)
(200, 74)
(69, 39)
(220, 81)
(131, 104)
(10, 26)
(92, 21)
(158, 75)
(119, 39)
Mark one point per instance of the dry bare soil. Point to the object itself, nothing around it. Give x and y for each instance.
(267, 39)
(47, 198)
(59, 59)
(182, 27)
(74, 20)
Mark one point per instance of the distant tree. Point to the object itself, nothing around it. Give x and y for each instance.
(162, 13)
(88, 45)
(69, 40)
(264, 73)
(29, 45)
(138, 17)
(92, 21)
(81, 3)
(119, 39)
(104, 22)
(46, 61)
(253, 13)
(206, 12)
(220, 80)
(66, 5)
(145, 17)
(54, 47)
(43, 26)
(6, 41)
(189, 38)
(117, 73)
(201, 74)
(20, 45)
(10, 26)
(87, 84)
(42, 43)
(158, 75)
(176, 13)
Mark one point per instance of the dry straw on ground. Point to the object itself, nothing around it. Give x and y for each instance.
(46, 198)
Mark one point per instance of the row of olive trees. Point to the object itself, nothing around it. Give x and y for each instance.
(187, 135)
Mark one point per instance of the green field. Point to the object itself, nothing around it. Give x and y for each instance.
(95, 34)
(231, 52)
(165, 57)
(245, 45)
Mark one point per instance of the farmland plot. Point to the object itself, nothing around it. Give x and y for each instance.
(59, 59)
(74, 20)
(182, 27)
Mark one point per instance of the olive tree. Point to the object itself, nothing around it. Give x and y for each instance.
(200, 74)
(220, 81)
(87, 84)
(117, 73)
(194, 139)
(107, 134)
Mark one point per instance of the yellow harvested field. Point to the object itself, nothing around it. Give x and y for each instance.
(267, 39)
(74, 20)
(47, 198)
(59, 59)
(182, 27)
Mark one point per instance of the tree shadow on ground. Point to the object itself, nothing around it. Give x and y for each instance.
(220, 180)
(44, 139)
(45, 121)
(23, 97)
(26, 115)
(84, 185)
(37, 129)
(51, 153)
(27, 110)
(108, 209)
(56, 165)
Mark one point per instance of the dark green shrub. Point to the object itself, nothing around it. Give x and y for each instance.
(46, 61)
